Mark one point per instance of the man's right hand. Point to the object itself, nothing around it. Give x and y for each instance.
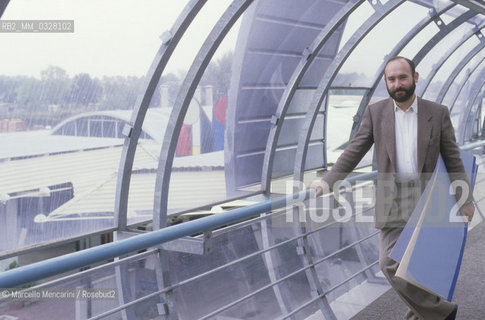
(320, 187)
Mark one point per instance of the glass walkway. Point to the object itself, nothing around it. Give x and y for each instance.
(155, 156)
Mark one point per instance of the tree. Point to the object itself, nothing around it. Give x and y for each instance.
(55, 86)
(120, 92)
(8, 88)
(29, 93)
(84, 90)
(218, 74)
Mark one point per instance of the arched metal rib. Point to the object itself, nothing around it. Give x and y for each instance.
(437, 66)
(465, 116)
(171, 39)
(308, 57)
(395, 51)
(324, 85)
(449, 81)
(224, 24)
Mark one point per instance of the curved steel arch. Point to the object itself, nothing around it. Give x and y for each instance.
(449, 81)
(170, 41)
(186, 92)
(381, 11)
(476, 88)
(222, 27)
(446, 56)
(308, 57)
(444, 31)
(472, 115)
(205, 54)
(464, 81)
(132, 132)
(433, 15)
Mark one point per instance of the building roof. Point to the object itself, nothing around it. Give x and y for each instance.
(156, 120)
(18, 145)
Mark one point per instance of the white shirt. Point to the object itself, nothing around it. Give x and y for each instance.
(406, 130)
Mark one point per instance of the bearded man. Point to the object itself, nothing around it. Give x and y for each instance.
(409, 134)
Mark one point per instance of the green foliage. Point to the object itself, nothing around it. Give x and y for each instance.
(55, 95)
(14, 264)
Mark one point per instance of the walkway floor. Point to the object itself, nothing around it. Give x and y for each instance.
(469, 293)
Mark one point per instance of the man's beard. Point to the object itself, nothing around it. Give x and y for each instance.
(408, 92)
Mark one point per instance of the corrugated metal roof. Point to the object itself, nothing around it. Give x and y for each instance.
(34, 143)
(92, 170)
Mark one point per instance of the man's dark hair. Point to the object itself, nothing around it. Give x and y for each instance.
(411, 63)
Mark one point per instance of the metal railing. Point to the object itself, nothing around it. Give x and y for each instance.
(47, 268)
(237, 218)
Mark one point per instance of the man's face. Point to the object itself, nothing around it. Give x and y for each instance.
(400, 82)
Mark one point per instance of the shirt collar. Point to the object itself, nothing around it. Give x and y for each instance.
(413, 107)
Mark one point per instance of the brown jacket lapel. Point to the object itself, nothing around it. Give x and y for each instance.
(389, 132)
(424, 132)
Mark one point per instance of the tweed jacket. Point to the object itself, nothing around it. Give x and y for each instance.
(435, 135)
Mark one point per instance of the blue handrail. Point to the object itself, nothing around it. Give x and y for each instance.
(47, 268)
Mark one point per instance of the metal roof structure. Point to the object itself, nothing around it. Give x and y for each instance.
(301, 75)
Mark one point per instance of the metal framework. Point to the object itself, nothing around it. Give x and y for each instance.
(381, 11)
(259, 218)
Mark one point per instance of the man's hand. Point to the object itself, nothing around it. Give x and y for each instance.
(320, 186)
(467, 211)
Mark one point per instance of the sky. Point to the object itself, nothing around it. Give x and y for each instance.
(121, 37)
(111, 37)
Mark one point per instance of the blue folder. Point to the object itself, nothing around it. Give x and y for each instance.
(430, 247)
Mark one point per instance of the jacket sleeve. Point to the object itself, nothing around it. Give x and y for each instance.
(451, 154)
(354, 152)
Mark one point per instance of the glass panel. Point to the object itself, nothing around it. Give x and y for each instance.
(343, 105)
(463, 76)
(466, 97)
(198, 166)
(84, 85)
(433, 61)
(371, 52)
(418, 42)
(90, 294)
(448, 67)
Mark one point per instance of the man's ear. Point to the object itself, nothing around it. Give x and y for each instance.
(416, 77)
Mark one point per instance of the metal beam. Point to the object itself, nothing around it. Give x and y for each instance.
(132, 132)
(3, 6)
(437, 66)
(449, 81)
(170, 40)
(381, 12)
(184, 97)
(476, 5)
(444, 31)
(58, 265)
(308, 56)
(475, 90)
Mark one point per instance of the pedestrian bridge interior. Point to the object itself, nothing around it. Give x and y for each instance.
(187, 198)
